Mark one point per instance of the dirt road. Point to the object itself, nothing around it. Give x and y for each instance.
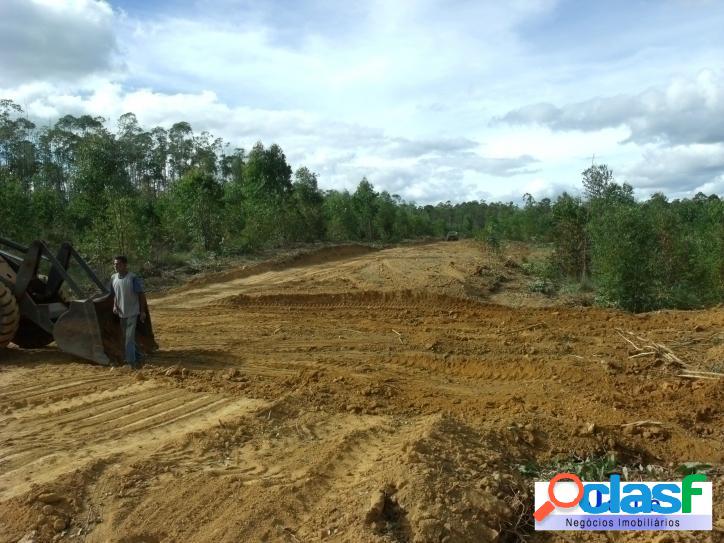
(362, 397)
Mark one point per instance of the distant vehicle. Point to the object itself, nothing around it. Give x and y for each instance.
(452, 236)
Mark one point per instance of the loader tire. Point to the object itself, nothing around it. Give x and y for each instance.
(9, 315)
(31, 336)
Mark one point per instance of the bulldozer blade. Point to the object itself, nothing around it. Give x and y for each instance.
(78, 331)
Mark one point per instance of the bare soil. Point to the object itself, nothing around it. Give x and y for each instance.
(376, 396)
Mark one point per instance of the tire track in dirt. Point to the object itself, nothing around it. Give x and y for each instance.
(38, 393)
(105, 407)
(41, 443)
(299, 465)
(86, 411)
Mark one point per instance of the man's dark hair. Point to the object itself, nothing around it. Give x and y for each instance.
(121, 258)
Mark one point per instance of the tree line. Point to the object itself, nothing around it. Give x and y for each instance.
(156, 193)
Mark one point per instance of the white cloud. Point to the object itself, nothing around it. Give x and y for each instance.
(686, 111)
(402, 92)
(680, 170)
(49, 40)
(374, 63)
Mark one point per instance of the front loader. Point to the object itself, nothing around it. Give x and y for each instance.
(36, 310)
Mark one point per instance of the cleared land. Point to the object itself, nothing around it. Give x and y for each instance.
(355, 395)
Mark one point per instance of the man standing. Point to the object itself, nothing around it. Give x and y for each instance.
(129, 304)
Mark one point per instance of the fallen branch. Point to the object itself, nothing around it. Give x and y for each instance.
(712, 337)
(643, 423)
(620, 333)
(399, 336)
(706, 373)
(649, 347)
(639, 355)
(696, 376)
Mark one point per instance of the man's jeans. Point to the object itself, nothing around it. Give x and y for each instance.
(128, 327)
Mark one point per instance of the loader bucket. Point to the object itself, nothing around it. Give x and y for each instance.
(91, 330)
(78, 331)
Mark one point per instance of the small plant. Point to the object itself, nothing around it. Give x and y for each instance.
(545, 276)
(689, 468)
(544, 269)
(591, 468)
(602, 300)
(544, 286)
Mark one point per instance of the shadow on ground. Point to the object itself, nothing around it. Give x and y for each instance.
(12, 356)
(197, 359)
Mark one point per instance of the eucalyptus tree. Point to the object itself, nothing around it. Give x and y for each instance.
(180, 148)
(365, 203)
(18, 157)
(307, 205)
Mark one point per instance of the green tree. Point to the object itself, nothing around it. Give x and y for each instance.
(180, 148)
(266, 191)
(386, 216)
(196, 209)
(17, 153)
(340, 219)
(365, 203)
(624, 250)
(15, 209)
(49, 215)
(596, 179)
(99, 176)
(307, 202)
(232, 171)
(570, 237)
(267, 176)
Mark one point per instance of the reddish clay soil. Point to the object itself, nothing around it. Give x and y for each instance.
(370, 396)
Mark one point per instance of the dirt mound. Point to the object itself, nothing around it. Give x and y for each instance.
(401, 299)
(462, 269)
(282, 262)
(451, 484)
(466, 270)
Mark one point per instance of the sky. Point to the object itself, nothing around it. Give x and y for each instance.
(432, 100)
